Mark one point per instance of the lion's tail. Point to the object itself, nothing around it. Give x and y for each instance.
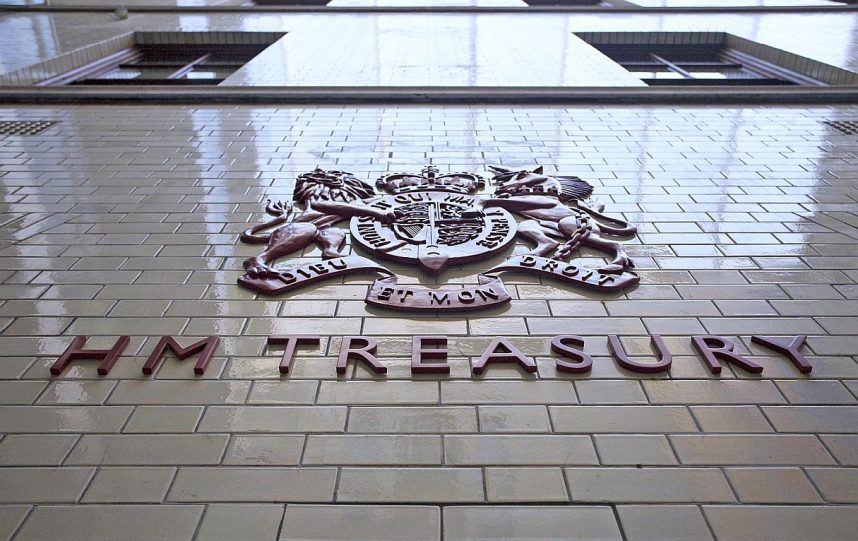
(281, 212)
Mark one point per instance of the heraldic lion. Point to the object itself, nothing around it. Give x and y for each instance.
(326, 197)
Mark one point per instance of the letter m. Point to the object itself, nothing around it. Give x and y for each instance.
(205, 347)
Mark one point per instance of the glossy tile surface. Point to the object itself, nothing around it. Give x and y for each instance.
(125, 220)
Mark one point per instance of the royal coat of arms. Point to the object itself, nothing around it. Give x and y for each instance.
(436, 221)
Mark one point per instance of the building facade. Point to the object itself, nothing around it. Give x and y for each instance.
(429, 270)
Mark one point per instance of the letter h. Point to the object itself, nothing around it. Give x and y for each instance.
(75, 351)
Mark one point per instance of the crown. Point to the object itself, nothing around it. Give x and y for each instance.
(429, 179)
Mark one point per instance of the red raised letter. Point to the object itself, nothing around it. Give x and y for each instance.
(717, 348)
(75, 352)
(509, 355)
(658, 345)
(291, 342)
(365, 353)
(583, 362)
(791, 350)
(419, 352)
(205, 347)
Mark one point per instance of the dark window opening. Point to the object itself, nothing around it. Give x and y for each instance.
(162, 64)
(699, 65)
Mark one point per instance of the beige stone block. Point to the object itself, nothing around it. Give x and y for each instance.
(815, 392)
(253, 485)
(35, 450)
(264, 450)
(111, 522)
(145, 449)
(151, 392)
(514, 419)
(413, 326)
(525, 485)
(63, 419)
(76, 392)
(378, 392)
(731, 419)
(283, 392)
(834, 419)
(772, 485)
(11, 516)
(632, 450)
(837, 485)
(149, 419)
(337, 450)
(28, 485)
(663, 523)
(651, 485)
(634, 419)
(406, 485)
(417, 419)
(361, 523)
(843, 447)
(273, 419)
(762, 449)
(129, 485)
(518, 450)
(712, 392)
(609, 392)
(530, 522)
(230, 522)
(20, 392)
(782, 523)
(507, 392)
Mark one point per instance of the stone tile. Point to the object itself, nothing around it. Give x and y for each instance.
(500, 419)
(816, 392)
(283, 392)
(762, 449)
(109, 522)
(843, 447)
(410, 485)
(731, 419)
(361, 522)
(35, 450)
(663, 522)
(45, 485)
(633, 450)
(841, 419)
(338, 450)
(712, 392)
(76, 392)
(416, 419)
(518, 450)
(525, 485)
(153, 419)
(507, 392)
(634, 419)
(129, 485)
(273, 419)
(609, 392)
(20, 392)
(253, 485)
(530, 522)
(227, 522)
(264, 450)
(652, 485)
(837, 485)
(11, 516)
(63, 419)
(782, 523)
(772, 485)
(378, 392)
(151, 392)
(145, 449)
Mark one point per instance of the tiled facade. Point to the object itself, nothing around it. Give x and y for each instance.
(124, 220)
